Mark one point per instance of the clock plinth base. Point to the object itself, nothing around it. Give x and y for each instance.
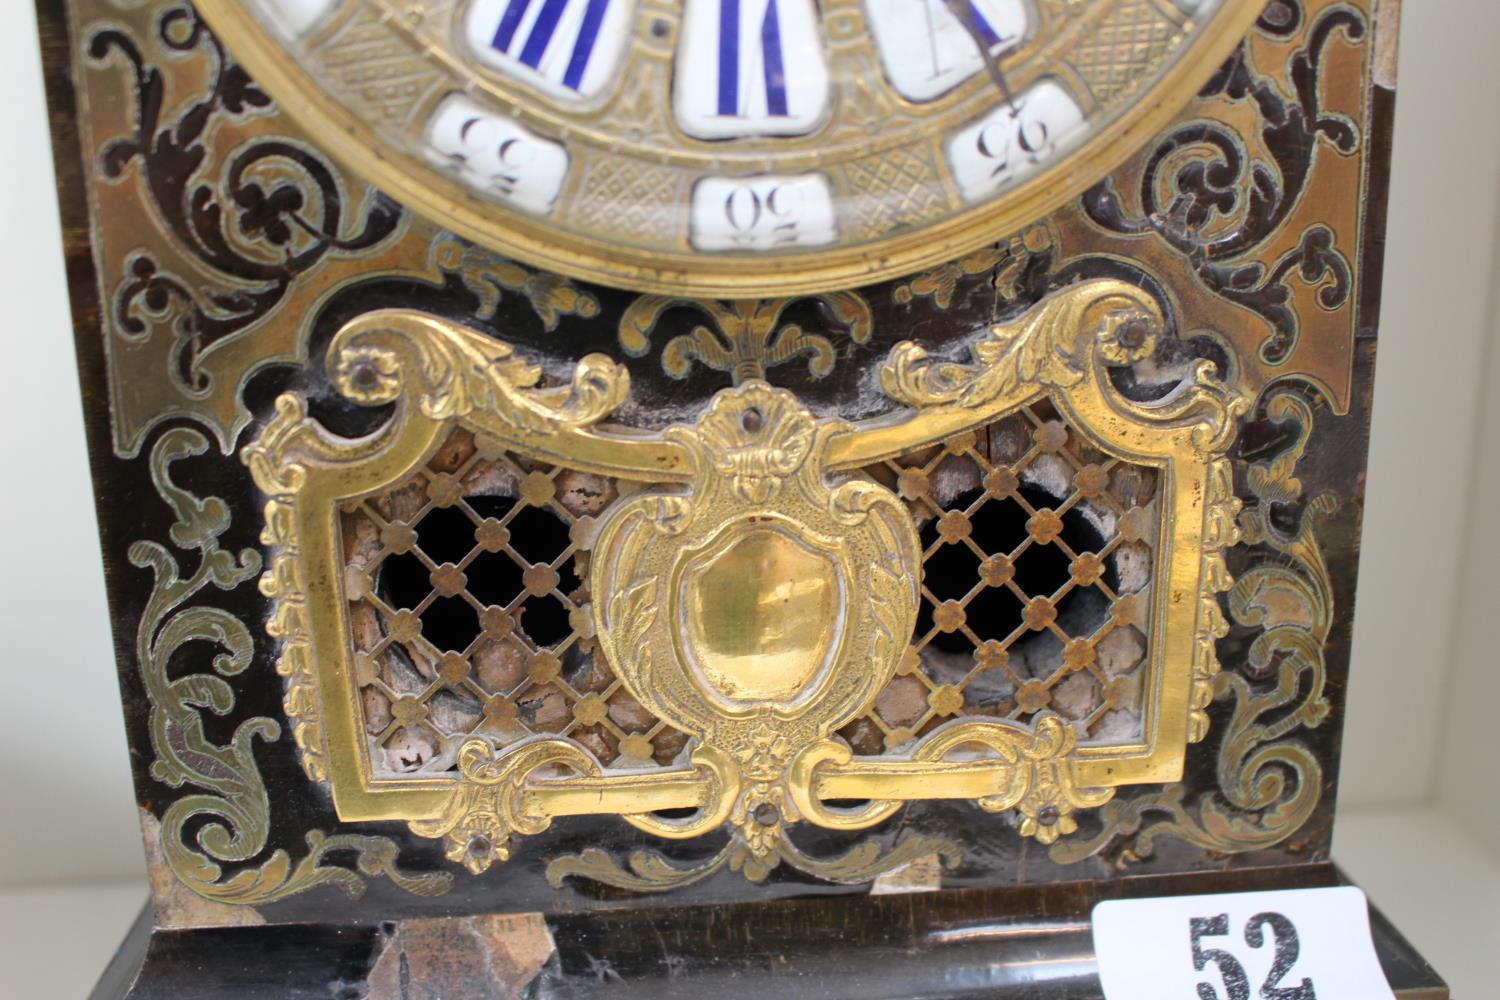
(983, 943)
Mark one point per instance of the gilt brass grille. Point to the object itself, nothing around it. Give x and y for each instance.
(469, 618)
(532, 602)
(468, 588)
(1037, 566)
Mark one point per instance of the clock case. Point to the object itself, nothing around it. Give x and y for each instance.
(1238, 222)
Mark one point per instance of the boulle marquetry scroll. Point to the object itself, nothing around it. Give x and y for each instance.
(579, 475)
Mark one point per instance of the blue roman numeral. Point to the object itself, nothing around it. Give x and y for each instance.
(729, 57)
(583, 45)
(539, 38)
(983, 27)
(509, 22)
(770, 46)
(772, 59)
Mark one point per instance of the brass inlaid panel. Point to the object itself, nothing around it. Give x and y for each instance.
(756, 600)
(1223, 433)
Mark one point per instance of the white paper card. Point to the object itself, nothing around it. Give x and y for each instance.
(1297, 944)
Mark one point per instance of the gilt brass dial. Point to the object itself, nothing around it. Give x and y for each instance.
(731, 147)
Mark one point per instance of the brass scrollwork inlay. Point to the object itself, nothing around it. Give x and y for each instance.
(743, 337)
(229, 792)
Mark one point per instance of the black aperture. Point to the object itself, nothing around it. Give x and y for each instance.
(951, 571)
(403, 581)
(449, 623)
(680, 812)
(1000, 525)
(994, 613)
(446, 534)
(494, 579)
(545, 620)
(537, 535)
(1041, 569)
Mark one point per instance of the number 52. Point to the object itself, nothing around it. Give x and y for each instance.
(1283, 933)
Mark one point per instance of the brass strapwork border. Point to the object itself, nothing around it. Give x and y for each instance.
(756, 593)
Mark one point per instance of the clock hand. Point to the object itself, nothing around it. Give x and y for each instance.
(963, 11)
(932, 43)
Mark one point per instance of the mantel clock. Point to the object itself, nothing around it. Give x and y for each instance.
(616, 496)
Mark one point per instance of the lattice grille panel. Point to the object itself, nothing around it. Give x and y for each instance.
(1038, 552)
(468, 613)
(468, 584)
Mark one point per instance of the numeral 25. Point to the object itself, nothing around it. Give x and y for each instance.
(1236, 983)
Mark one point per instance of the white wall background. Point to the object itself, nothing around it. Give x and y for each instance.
(1423, 691)
(1419, 665)
(69, 811)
